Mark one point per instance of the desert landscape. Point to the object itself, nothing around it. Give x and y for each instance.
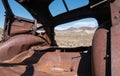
(1, 33)
(74, 37)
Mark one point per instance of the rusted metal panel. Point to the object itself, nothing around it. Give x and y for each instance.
(23, 53)
(37, 63)
(100, 45)
(21, 27)
(115, 38)
(17, 44)
(99, 51)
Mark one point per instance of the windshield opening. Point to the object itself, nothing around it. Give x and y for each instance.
(66, 6)
(76, 33)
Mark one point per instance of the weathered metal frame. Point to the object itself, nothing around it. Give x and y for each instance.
(43, 16)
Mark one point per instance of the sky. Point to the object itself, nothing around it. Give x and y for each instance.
(87, 22)
(17, 9)
(56, 7)
(1, 15)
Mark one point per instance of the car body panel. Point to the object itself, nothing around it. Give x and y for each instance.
(27, 52)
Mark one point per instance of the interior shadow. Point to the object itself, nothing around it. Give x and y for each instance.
(84, 68)
(84, 64)
(27, 62)
(30, 61)
(29, 71)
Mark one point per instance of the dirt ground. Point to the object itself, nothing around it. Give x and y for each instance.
(74, 39)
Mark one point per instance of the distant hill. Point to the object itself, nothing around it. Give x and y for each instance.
(81, 28)
(86, 30)
(72, 28)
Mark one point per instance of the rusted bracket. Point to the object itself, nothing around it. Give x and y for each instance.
(101, 2)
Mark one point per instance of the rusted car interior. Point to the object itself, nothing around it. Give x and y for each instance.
(26, 52)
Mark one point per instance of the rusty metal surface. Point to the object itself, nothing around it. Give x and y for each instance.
(115, 38)
(37, 63)
(17, 44)
(22, 54)
(24, 27)
(99, 52)
(99, 45)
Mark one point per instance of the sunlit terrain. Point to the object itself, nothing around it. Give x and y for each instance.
(75, 37)
(1, 33)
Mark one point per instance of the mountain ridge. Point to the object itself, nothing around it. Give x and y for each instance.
(81, 28)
